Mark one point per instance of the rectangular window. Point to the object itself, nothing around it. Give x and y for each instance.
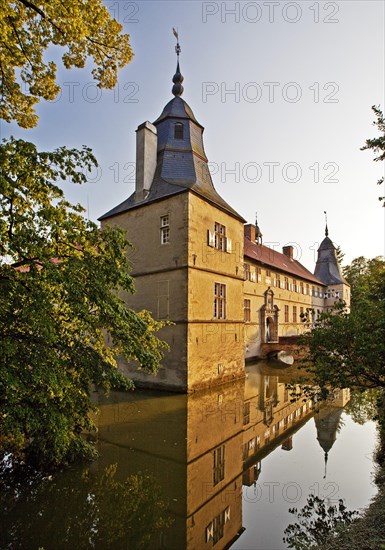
(294, 314)
(249, 274)
(276, 428)
(286, 283)
(219, 236)
(307, 289)
(164, 229)
(301, 314)
(178, 130)
(295, 289)
(278, 280)
(286, 314)
(246, 413)
(245, 451)
(219, 301)
(247, 310)
(268, 277)
(219, 464)
(215, 529)
(286, 394)
(301, 288)
(258, 271)
(313, 291)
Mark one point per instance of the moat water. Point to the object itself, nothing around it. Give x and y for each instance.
(217, 469)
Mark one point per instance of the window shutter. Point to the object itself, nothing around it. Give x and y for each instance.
(209, 532)
(228, 245)
(253, 276)
(210, 238)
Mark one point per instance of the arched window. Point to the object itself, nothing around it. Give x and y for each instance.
(178, 130)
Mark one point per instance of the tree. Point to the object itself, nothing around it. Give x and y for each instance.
(107, 510)
(348, 350)
(340, 255)
(318, 522)
(61, 281)
(377, 144)
(29, 27)
(363, 276)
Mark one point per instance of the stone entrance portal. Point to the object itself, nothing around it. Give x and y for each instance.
(269, 318)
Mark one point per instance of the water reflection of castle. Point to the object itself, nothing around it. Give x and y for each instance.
(202, 448)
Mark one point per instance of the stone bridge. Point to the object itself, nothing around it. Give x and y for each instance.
(289, 344)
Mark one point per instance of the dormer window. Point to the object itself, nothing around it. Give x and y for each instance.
(178, 130)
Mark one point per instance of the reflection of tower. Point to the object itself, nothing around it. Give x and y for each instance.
(193, 446)
(328, 423)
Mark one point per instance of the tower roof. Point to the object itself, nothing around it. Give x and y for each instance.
(327, 268)
(177, 108)
(181, 159)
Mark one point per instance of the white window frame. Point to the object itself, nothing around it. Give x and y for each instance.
(220, 292)
(165, 229)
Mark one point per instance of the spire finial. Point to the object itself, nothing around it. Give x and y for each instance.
(258, 234)
(326, 463)
(326, 224)
(177, 89)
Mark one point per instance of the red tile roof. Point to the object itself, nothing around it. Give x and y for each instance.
(273, 259)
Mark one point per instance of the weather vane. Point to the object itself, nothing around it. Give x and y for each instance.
(177, 47)
(326, 223)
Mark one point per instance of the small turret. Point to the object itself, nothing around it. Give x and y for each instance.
(258, 232)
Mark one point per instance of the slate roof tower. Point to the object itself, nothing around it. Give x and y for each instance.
(181, 161)
(327, 268)
(328, 271)
(185, 266)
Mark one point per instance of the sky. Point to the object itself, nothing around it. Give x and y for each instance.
(284, 91)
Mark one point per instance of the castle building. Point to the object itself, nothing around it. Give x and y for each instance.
(196, 263)
(281, 296)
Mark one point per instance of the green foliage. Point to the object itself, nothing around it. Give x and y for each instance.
(363, 405)
(29, 28)
(340, 255)
(364, 277)
(377, 144)
(317, 523)
(348, 349)
(60, 284)
(106, 510)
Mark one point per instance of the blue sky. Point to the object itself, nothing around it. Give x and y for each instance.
(284, 91)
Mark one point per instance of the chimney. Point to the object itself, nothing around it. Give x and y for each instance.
(146, 153)
(288, 251)
(250, 232)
